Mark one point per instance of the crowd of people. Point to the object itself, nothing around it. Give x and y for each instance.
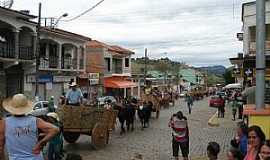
(248, 144)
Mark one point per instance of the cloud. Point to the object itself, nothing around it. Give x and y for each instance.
(198, 32)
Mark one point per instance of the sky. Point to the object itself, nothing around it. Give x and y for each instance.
(197, 32)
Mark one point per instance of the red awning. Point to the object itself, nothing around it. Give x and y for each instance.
(114, 83)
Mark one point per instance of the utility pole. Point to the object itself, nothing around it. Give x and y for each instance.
(37, 50)
(260, 54)
(145, 67)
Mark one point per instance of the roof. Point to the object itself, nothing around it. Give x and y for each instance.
(188, 75)
(113, 48)
(122, 50)
(246, 4)
(18, 13)
(118, 83)
(63, 32)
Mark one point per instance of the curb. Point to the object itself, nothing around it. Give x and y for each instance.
(213, 121)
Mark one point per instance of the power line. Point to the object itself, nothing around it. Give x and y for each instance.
(83, 13)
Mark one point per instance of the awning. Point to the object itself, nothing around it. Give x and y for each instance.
(114, 83)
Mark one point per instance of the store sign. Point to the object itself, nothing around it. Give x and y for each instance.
(93, 75)
(248, 72)
(237, 72)
(62, 78)
(93, 81)
(46, 78)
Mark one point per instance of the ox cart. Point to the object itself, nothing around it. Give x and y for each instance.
(155, 101)
(93, 121)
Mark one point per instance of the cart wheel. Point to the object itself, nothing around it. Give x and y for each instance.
(71, 137)
(100, 136)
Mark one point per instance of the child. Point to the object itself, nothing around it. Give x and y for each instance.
(213, 150)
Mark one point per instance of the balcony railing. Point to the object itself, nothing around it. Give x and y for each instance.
(7, 51)
(252, 47)
(53, 62)
(26, 53)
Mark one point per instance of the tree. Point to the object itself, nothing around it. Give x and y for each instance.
(228, 76)
(163, 67)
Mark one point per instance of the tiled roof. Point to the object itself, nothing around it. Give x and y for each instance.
(64, 32)
(112, 48)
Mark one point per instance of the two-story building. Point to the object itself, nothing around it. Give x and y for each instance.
(61, 56)
(17, 50)
(113, 63)
(61, 59)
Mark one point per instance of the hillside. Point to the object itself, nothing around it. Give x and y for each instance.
(217, 70)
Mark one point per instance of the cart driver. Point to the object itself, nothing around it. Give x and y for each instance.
(74, 95)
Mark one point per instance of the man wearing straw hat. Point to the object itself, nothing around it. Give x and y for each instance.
(19, 132)
(74, 96)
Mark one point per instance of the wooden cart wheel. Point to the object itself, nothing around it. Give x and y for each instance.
(100, 135)
(71, 137)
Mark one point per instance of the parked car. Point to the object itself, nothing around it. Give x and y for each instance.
(215, 101)
(40, 108)
(102, 100)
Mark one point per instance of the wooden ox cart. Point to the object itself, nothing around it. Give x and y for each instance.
(93, 121)
(155, 101)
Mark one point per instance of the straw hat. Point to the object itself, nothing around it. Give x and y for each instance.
(73, 84)
(53, 115)
(18, 105)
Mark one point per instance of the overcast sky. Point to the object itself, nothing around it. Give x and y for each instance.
(198, 32)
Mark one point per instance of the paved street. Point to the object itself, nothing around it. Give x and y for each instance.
(154, 143)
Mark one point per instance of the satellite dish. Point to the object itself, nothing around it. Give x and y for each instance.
(6, 3)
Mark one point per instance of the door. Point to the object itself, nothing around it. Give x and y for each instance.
(14, 81)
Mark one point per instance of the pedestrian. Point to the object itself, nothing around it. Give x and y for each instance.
(221, 108)
(19, 131)
(74, 95)
(213, 150)
(55, 145)
(233, 104)
(234, 154)
(240, 141)
(189, 101)
(256, 137)
(180, 135)
(265, 151)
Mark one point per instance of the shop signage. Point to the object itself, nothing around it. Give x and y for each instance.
(93, 75)
(248, 72)
(46, 78)
(62, 78)
(237, 72)
(93, 81)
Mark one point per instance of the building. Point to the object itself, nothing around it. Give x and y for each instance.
(112, 63)
(61, 56)
(62, 59)
(18, 37)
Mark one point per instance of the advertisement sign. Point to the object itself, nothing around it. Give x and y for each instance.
(93, 81)
(237, 72)
(93, 75)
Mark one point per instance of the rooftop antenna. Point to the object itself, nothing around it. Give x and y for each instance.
(6, 3)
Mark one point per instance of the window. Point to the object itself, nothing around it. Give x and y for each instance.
(126, 62)
(108, 64)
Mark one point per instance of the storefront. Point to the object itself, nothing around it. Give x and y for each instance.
(118, 86)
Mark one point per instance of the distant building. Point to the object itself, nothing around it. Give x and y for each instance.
(113, 64)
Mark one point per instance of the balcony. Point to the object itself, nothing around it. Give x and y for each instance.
(26, 53)
(252, 48)
(51, 63)
(7, 51)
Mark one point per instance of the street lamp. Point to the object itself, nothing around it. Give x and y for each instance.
(58, 19)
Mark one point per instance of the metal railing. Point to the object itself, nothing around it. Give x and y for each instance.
(7, 51)
(26, 53)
